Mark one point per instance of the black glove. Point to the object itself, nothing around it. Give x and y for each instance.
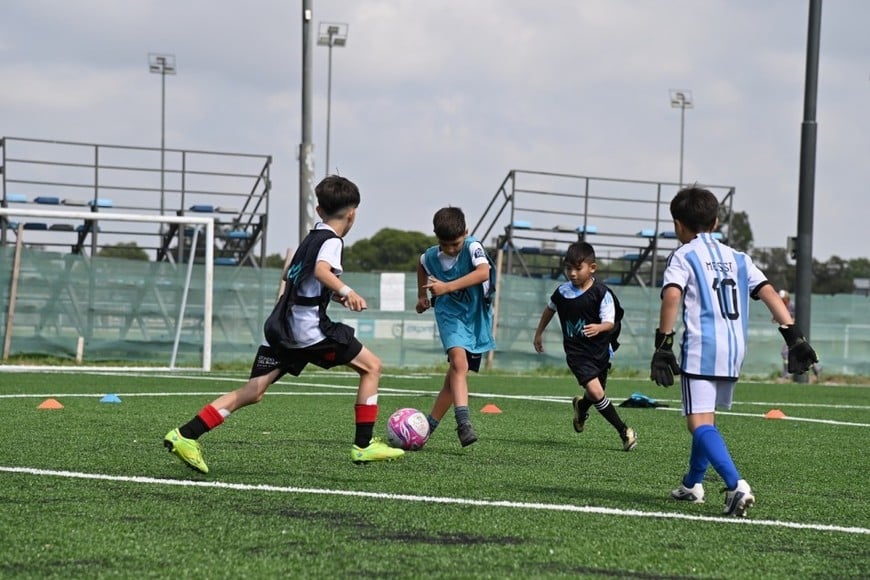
(664, 364)
(801, 355)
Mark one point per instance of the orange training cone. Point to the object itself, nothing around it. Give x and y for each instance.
(490, 408)
(50, 404)
(774, 414)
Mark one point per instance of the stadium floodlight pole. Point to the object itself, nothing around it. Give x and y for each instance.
(330, 34)
(162, 64)
(682, 99)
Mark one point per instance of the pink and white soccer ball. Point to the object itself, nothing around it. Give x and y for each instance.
(407, 429)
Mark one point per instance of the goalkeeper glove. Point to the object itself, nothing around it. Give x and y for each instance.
(664, 364)
(801, 355)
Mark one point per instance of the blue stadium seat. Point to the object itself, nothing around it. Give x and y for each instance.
(239, 235)
(74, 202)
(225, 262)
(669, 235)
(587, 229)
(631, 257)
(16, 198)
(521, 224)
(35, 226)
(62, 227)
(202, 208)
(647, 233)
(47, 200)
(100, 202)
(530, 250)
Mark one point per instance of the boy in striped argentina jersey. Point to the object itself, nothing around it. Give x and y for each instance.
(590, 316)
(714, 283)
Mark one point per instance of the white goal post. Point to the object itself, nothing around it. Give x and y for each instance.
(15, 214)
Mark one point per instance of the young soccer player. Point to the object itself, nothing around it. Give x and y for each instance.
(456, 275)
(713, 283)
(299, 332)
(589, 313)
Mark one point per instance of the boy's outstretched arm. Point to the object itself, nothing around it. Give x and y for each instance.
(801, 355)
(546, 317)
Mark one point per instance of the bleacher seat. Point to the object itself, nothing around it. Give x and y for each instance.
(631, 257)
(75, 202)
(239, 235)
(35, 226)
(521, 224)
(222, 209)
(530, 250)
(228, 261)
(669, 235)
(16, 198)
(647, 233)
(47, 200)
(62, 227)
(83, 227)
(202, 208)
(587, 229)
(100, 202)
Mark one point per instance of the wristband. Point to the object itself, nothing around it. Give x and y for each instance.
(344, 291)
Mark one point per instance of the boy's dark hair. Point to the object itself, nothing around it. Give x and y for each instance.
(335, 194)
(449, 223)
(696, 208)
(579, 252)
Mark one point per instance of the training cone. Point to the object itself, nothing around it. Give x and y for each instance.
(50, 404)
(110, 398)
(774, 414)
(490, 408)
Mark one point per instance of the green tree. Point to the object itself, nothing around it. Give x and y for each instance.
(740, 232)
(389, 250)
(274, 261)
(124, 250)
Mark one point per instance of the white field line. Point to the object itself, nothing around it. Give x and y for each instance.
(352, 388)
(436, 500)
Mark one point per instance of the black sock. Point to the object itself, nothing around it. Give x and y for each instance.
(193, 429)
(585, 403)
(363, 434)
(608, 411)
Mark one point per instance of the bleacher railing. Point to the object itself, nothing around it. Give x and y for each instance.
(231, 188)
(535, 215)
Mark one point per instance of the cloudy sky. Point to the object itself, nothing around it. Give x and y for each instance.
(434, 101)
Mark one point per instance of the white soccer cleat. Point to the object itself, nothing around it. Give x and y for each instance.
(694, 494)
(738, 500)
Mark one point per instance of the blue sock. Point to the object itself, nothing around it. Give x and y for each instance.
(698, 461)
(433, 422)
(710, 440)
(461, 414)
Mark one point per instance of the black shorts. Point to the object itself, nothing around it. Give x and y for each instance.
(585, 370)
(326, 354)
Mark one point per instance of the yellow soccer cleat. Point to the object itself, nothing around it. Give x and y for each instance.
(187, 450)
(376, 451)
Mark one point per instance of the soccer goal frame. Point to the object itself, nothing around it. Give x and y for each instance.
(15, 220)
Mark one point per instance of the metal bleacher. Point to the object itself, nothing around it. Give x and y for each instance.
(231, 188)
(534, 216)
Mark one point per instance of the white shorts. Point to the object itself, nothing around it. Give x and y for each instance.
(705, 395)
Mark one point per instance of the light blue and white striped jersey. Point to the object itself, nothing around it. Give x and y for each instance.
(717, 282)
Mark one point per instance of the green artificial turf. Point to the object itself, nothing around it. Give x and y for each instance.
(88, 491)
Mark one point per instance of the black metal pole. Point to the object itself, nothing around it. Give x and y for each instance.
(806, 184)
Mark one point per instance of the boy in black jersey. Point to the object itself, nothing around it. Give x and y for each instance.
(590, 317)
(299, 332)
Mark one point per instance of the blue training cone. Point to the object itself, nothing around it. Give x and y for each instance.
(110, 399)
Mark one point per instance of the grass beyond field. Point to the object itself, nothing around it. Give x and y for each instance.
(88, 491)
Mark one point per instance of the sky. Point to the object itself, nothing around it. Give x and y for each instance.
(435, 101)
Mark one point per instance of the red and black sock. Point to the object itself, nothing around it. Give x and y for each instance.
(206, 420)
(365, 415)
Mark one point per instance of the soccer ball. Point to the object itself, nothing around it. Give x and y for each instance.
(407, 429)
